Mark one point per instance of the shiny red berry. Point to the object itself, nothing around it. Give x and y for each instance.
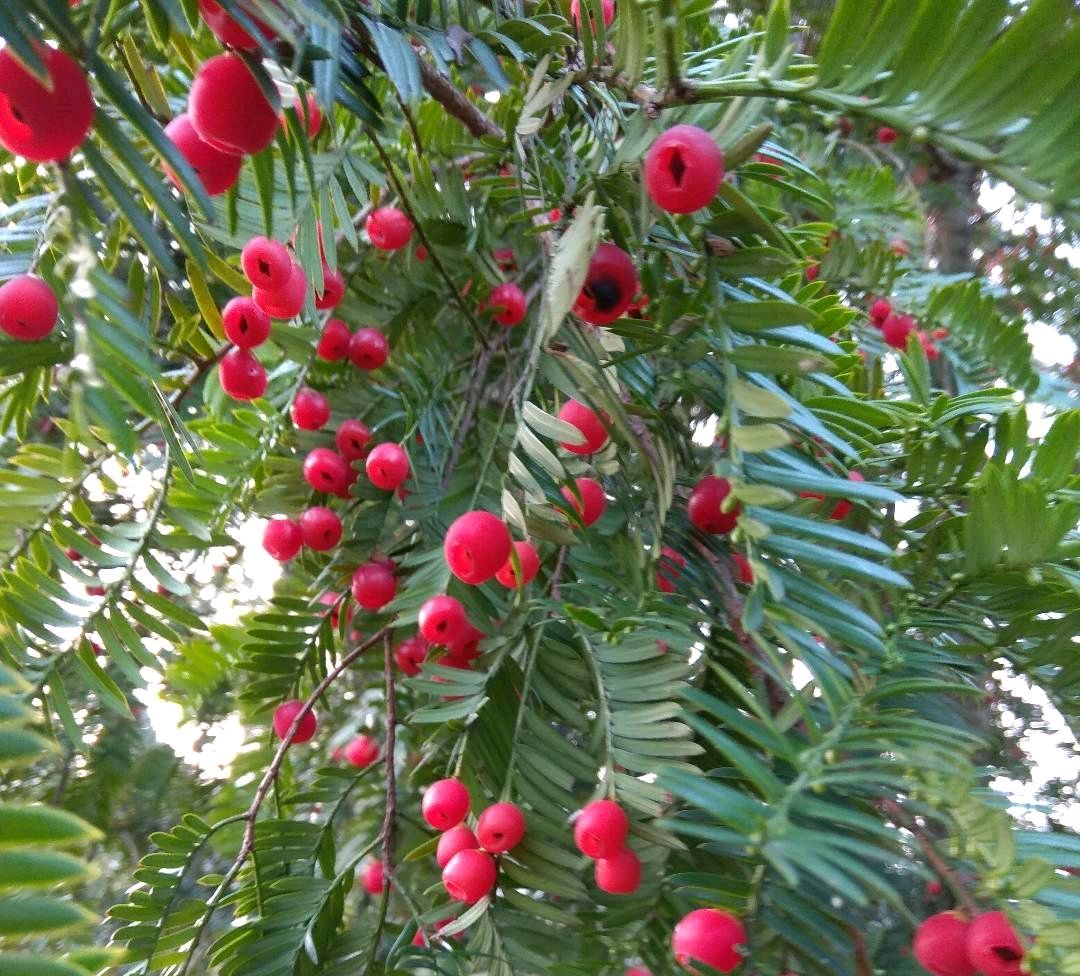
(710, 936)
(993, 947)
(619, 874)
(326, 471)
(228, 107)
(410, 654)
(887, 135)
(311, 116)
(333, 290)
(217, 171)
(242, 375)
(282, 538)
(507, 302)
(896, 329)
(880, 311)
(445, 803)
(28, 308)
(704, 507)
(585, 419)
(321, 528)
(746, 571)
(387, 466)
(442, 619)
(600, 829)
(476, 546)
(246, 325)
(592, 502)
(456, 839)
(287, 301)
(683, 169)
(373, 586)
(529, 560)
(266, 263)
(610, 286)
(469, 875)
(352, 439)
(227, 30)
(284, 717)
(669, 569)
(500, 827)
(373, 877)
(334, 342)
(608, 7)
(362, 751)
(368, 348)
(940, 945)
(310, 409)
(389, 229)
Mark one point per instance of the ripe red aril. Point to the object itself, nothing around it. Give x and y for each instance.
(246, 325)
(217, 171)
(683, 169)
(445, 803)
(500, 827)
(282, 538)
(333, 289)
(387, 466)
(310, 409)
(843, 507)
(242, 376)
(669, 569)
(326, 471)
(43, 123)
(373, 586)
(227, 30)
(529, 560)
(637, 971)
(334, 342)
(887, 135)
(466, 647)
(607, 6)
(389, 229)
(28, 308)
(476, 546)
(456, 839)
(619, 874)
(940, 945)
(266, 263)
(600, 829)
(469, 875)
(880, 311)
(993, 947)
(321, 528)
(592, 502)
(704, 507)
(368, 348)
(229, 108)
(896, 329)
(746, 571)
(311, 116)
(442, 619)
(507, 302)
(362, 751)
(410, 654)
(285, 715)
(610, 286)
(710, 936)
(373, 877)
(352, 439)
(287, 301)
(586, 420)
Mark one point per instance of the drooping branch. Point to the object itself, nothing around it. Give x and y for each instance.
(442, 89)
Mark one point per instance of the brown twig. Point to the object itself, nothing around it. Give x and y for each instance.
(474, 392)
(442, 89)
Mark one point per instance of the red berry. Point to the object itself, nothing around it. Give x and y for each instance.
(333, 290)
(899, 247)
(284, 716)
(940, 945)
(421, 253)
(529, 559)
(227, 30)
(373, 586)
(466, 647)
(940, 334)
(456, 839)
(619, 874)
(217, 171)
(388, 228)
(28, 308)
(321, 528)
(813, 272)
(442, 619)
(266, 263)
(476, 547)
(610, 286)
(704, 506)
(368, 348)
(592, 503)
(445, 804)
(352, 439)
(326, 471)
(362, 751)
(508, 303)
(933, 889)
(311, 116)
(844, 506)
(880, 311)
(242, 375)
(710, 936)
(282, 538)
(285, 302)
(500, 827)
(683, 169)
(608, 7)
(410, 654)
(505, 258)
(310, 409)
(468, 876)
(246, 325)
(586, 420)
(95, 591)
(993, 946)
(896, 329)
(844, 125)
(372, 877)
(387, 466)
(43, 123)
(334, 342)
(637, 971)
(746, 571)
(669, 569)
(601, 828)
(228, 107)
(886, 135)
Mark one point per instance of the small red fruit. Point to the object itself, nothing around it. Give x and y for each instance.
(28, 308)
(500, 827)
(333, 290)
(608, 7)
(601, 828)
(310, 409)
(321, 528)
(368, 348)
(421, 253)
(940, 945)
(445, 803)
(311, 116)
(387, 466)
(456, 839)
(227, 30)
(887, 135)
(813, 272)
(840, 511)
(940, 334)
(610, 286)
(373, 877)
(246, 325)
(683, 169)
(704, 507)
(389, 229)
(993, 946)
(669, 569)
(466, 647)
(619, 874)
(592, 503)
(362, 752)
(637, 971)
(373, 586)
(586, 420)
(334, 342)
(217, 171)
(282, 538)
(746, 571)
(476, 547)
(326, 471)
(286, 302)
(242, 375)
(266, 263)
(710, 936)
(508, 303)
(352, 439)
(505, 258)
(410, 654)
(880, 311)
(442, 619)
(228, 107)
(284, 716)
(896, 329)
(468, 876)
(529, 559)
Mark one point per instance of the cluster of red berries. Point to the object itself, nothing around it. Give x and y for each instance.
(895, 328)
(600, 832)
(947, 944)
